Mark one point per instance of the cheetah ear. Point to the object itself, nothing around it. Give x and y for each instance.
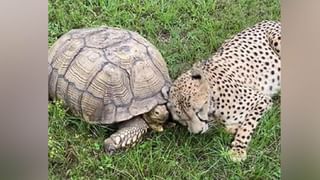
(203, 89)
(196, 73)
(165, 92)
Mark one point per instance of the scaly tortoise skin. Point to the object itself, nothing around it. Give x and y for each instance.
(109, 75)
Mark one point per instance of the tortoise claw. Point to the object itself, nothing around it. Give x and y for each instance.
(109, 146)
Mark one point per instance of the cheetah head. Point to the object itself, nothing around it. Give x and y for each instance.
(189, 98)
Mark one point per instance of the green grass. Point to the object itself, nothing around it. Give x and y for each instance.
(185, 32)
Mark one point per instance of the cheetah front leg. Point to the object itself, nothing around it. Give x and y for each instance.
(246, 129)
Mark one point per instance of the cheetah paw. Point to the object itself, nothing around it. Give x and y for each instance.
(237, 155)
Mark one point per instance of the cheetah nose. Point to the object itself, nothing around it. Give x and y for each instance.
(204, 129)
(200, 132)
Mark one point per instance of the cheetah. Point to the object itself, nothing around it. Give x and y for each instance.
(234, 86)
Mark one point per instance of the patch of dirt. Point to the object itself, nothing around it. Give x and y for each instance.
(164, 35)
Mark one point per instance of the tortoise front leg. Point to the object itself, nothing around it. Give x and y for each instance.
(128, 135)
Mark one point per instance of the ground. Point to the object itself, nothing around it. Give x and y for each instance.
(184, 32)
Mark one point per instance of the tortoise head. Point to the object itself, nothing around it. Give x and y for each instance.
(157, 117)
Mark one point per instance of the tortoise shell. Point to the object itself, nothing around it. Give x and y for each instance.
(107, 75)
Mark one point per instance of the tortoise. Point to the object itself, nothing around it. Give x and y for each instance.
(108, 75)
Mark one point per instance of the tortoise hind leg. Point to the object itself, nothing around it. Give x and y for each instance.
(128, 134)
